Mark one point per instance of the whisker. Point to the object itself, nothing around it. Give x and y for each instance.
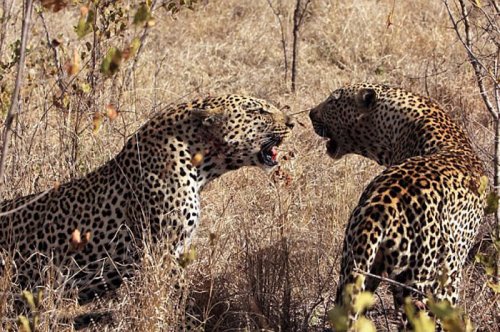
(293, 114)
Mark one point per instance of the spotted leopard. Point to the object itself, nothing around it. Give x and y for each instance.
(416, 221)
(150, 189)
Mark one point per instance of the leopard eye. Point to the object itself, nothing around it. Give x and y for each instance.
(263, 111)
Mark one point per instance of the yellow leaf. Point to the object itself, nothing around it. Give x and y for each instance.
(135, 44)
(423, 323)
(187, 257)
(29, 299)
(85, 87)
(96, 122)
(197, 159)
(363, 301)
(23, 323)
(483, 184)
(363, 324)
(39, 297)
(494, 287)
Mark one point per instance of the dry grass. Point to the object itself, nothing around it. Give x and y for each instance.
(268, 248)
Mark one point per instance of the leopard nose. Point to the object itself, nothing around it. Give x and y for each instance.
(312, 113)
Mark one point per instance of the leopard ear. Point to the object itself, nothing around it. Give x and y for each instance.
(209, 117)
(366, 98)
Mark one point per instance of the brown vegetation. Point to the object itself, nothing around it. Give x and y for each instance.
(269, 244)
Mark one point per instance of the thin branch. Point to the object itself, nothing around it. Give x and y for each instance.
(298, 15)
(295, 40)
(473, 59)
(14, 107)
(57, 63)
(304, 10)
(390, 281)
(283, 37)
(143, 37)
(385, 311)
(20, 207)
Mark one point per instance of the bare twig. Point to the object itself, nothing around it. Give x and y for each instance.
(384, 310)
(298, 16)
(390, 281)
(20, 207)
(57, 63)
(277, 13)
(13, 108)
(477, 65)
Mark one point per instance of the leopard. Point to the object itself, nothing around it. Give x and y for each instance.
(92, 229)
(416, 221)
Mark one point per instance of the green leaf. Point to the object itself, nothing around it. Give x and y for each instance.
(85, 24)
(491, 203)
(111, 62)
(187, 257)
(143, 14)
(496, 244)
(23, 323)
(135, 44)
(442, 309)
(483, 184)
(487, 261)
(494, 287)
(338, 318)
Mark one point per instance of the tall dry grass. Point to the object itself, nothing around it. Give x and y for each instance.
(269, 244)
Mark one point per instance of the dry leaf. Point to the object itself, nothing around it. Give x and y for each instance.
(76, 238)
(84, 10)
(73, 65)
(111, 112)
(76, 241)
(197, 159)
(54, 5)
(97, 120)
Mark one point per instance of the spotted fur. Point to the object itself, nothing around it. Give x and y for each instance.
(150, 189)
(417, 220)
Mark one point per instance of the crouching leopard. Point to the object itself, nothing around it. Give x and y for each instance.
(416, 221)
(151, 187)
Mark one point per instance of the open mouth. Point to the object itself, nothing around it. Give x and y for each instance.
(268, 154)
(332, 147)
